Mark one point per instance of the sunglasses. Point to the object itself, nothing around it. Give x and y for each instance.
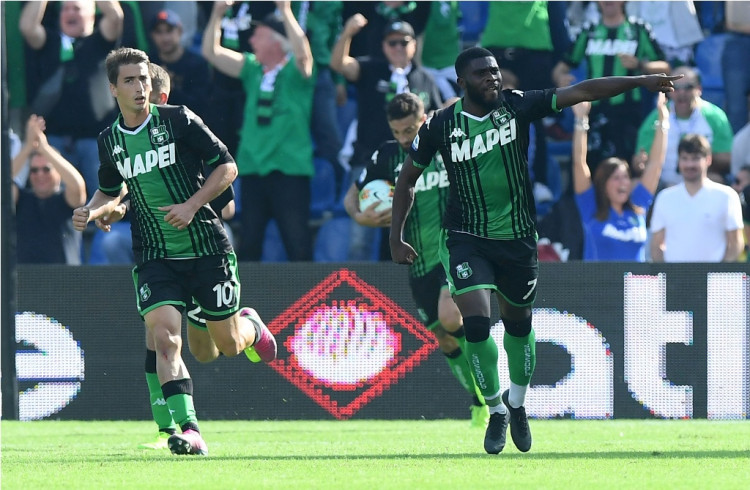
(688, 86)
(398, 42)
(35, 170)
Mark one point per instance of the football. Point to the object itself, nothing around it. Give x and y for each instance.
(377, 190)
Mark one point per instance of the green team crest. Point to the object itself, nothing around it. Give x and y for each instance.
(500, 117)
(159, 135)
(145, 292)
(463, 271)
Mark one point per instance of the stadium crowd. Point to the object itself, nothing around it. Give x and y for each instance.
(302, 132)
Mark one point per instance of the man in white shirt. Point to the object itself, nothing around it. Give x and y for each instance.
(697, 220)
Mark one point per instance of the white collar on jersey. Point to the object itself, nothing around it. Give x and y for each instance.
(136, 130)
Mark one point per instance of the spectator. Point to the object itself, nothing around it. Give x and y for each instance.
(688, 114)
(439, 46)
(226, 109)
(73, 96)
(519, 35)
(275, 154)
(380, 15)
(734, 63)
(189, 73)
(675, 26)
(617, 46)
(613, 210)
(44, 232)
(741, 146)
(697, 220)
(377, 81)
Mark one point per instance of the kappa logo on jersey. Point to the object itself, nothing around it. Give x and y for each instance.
(159, 135)
(457, 133)
(482, 143)
(463, 271)
(146, 162)
(117, 150)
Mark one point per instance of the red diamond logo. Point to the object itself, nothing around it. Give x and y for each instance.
(345, 342)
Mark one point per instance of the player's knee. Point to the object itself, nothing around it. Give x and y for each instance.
(165, 340)
(477, 328)
(450, 319)
(517, 328)
(204, 354)
(229, 346)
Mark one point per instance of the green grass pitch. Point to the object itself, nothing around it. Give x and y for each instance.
(567, 454)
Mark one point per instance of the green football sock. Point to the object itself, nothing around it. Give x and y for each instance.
(461, 369)
(521, 357)
(482, 357)
(159, 408)
(179, 396)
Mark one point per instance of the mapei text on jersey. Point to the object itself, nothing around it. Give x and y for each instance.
(146, 162)
(466, 149)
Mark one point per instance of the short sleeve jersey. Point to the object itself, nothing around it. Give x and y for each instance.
(422, 227)
(486, 160)
(161, 162)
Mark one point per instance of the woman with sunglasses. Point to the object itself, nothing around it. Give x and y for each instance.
(44, 234)
(612, 207)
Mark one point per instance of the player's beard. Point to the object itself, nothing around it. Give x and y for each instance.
(478, 97)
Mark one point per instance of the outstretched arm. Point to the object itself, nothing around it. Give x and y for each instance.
(658, 153)
(581, 170)
(601, 88)
(31, 26)
(297, 38)
(225, 60)
(112, 19)
(75, 187)
(403, 199)
(341, 62)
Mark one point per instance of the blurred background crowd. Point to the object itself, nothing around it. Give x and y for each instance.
(300, 141)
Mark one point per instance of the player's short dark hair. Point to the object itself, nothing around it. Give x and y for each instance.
(467, 56)
(694, 144)
(122, 56)
(160, 81)
(404, 105)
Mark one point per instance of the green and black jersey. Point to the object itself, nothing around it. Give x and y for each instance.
(600, 46)
(486, 160)
(161, 162)
(422, 228)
